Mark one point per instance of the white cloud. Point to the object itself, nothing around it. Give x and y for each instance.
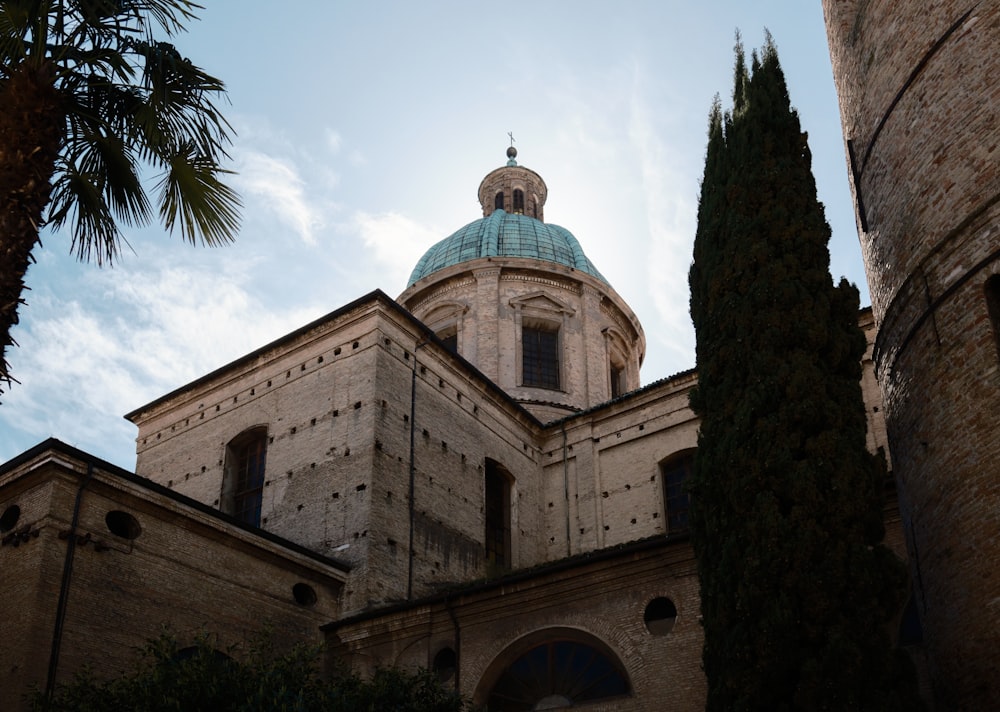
(670, 217)
(396, 242)
(276, 185)
(167, 327)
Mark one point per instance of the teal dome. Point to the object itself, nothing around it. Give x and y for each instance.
(504, 234)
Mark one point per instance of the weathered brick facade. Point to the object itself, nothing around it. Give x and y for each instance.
(919, 104)
(182, 566)
(381, 442)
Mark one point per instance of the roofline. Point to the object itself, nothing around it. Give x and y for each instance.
(55, 445)
(693, 371)
(566, 564)
(376, 295)
(290, 336)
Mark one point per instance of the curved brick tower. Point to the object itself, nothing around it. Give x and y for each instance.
(919, 88)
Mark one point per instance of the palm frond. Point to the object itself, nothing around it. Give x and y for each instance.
(78, 199)
(192, 195)
(14, 31)
(178, 98)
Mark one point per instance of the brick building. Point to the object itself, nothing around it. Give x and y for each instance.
(919, 106)
(469, 478)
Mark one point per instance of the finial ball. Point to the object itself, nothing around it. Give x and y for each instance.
(511, 152)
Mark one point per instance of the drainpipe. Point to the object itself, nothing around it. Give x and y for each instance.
(569, 548)
(413, 467)
(64, 590)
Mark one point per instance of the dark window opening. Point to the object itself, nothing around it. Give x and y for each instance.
(122, 524)
(676, 501)
(993, 305)
(660, 616)
(519, 202)
(445, 664)
(304, 594)
(9, 518)
(617, 381)
(497, 510)
(540, 358)
(449, 337)
(244, 482)
(557, 674)
(498, 202)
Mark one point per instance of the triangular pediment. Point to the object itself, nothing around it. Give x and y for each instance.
(541, 301)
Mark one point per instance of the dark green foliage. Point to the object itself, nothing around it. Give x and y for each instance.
(797, 593)
(202, 679)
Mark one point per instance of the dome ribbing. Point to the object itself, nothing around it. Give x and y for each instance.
(503, 234)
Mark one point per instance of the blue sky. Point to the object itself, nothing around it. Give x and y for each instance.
(364, 130)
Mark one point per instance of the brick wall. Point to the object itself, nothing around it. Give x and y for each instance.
(919, 102)
(205, 575)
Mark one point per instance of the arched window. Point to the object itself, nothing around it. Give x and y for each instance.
(498, 201)
(519, 201)
(243, 483)
(675, 472)
(556, 674)
(445, 665)
(497, 509)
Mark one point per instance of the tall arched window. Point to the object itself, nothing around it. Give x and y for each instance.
(675, 472)
(498, 201)
(519, 201)
(243, 482)
(497, 509)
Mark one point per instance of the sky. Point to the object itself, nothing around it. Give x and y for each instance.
(363, 130)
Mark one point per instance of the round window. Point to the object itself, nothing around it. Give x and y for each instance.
(304, 594)
(8, 520)
(122, 524)
(660, 616)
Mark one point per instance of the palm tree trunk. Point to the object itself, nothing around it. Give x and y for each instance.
(31, 123)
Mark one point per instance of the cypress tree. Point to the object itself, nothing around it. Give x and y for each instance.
(797, 592)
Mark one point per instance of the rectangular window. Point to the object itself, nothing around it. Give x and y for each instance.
(497, 510)
(675, 497)
(617, 381)
(248, 479)
(540, 358)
